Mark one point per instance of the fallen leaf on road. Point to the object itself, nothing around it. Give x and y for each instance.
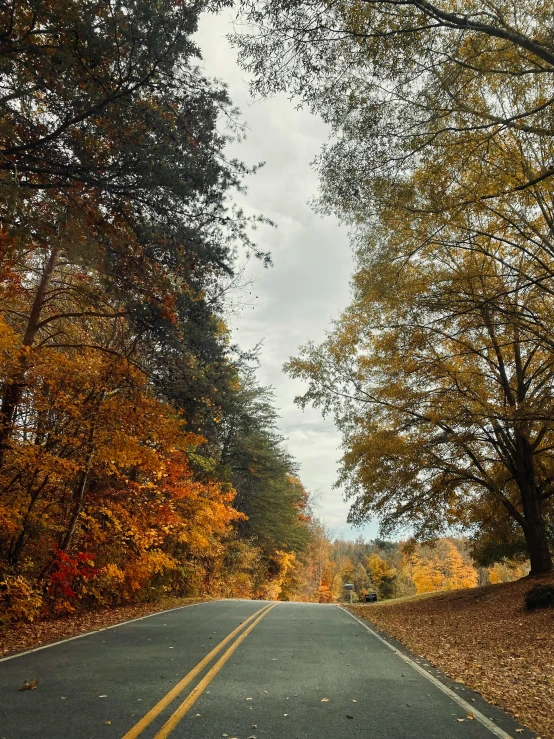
(461, 719)
(470, 716)
(325, 700)
(29, 686)
(285, 714)
(108, 722)
(105, 696)
(354, 701)
(249, 699)
(347, 716)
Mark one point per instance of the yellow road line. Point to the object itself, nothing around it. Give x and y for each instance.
(174, 692)
(196, 692)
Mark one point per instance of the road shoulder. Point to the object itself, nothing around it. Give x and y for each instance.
(495, 713)
(22, 637)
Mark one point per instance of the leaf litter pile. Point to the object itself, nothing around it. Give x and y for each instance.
(483, 638)
(28, 635)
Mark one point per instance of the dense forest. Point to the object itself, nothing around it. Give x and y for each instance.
(138, 455)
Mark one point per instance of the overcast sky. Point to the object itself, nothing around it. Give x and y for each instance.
(296, 299)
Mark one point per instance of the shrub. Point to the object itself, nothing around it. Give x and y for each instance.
(540, 596)
(19, 601)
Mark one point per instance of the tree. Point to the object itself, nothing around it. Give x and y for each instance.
(105, 491)
(427, 575)
(255, 461)
(441, 161)
(318, 556)
(360, 580)
(396, 77)
(324, 593)
(506, 572)
(434, 121)
(441, 567)
(115, 170)
(444, 405)
(382, 576)
(460, 571)
(79, 73)
(123, 420)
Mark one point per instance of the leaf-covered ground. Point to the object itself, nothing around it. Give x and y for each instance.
(486, 639)
(28, 635)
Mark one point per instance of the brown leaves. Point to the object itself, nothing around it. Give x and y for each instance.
(24, 635)
(484, 639)
(29, 685)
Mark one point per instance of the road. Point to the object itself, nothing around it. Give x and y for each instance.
(235, 669)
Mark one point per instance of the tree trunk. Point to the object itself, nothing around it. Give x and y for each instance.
(17, 544)
(78, 498)
(539, 551)
(533, 524)
(15, 384)
(538, 547)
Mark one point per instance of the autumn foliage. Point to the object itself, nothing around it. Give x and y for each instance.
(396, 569)
(132, 462)
(439, 373)
(99, 499)
(485, 640)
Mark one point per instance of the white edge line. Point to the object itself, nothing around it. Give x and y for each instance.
(490, 725)
(104, 628)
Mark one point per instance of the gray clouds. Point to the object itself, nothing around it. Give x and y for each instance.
(309, 283)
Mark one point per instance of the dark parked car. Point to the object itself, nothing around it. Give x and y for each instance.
(370, 597)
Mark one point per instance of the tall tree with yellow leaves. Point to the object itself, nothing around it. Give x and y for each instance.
(440, 371)
(382, 576)
(443, 401)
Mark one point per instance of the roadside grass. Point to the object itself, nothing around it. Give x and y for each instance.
(407, 599)
(27, 635)
(484, 638)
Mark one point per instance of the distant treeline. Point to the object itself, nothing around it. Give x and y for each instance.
(394, 569)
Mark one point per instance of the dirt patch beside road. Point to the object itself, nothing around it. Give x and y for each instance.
(28, 635)
(486, 639)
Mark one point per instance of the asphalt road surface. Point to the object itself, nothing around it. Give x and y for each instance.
(237, 669)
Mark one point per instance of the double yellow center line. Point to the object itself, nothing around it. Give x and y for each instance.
(196, 692)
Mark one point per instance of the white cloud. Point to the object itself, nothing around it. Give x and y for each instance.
(309, 283)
